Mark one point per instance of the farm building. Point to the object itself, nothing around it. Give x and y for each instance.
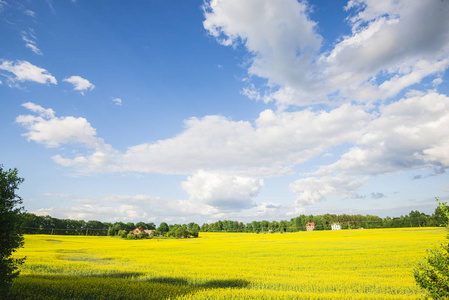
(336, 226)
(138, 230)
(310, 226)
(141, 230)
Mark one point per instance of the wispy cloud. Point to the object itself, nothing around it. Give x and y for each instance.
(30, 13)
(3, 4)
(20, 71)
(30, 41)
(117, 101)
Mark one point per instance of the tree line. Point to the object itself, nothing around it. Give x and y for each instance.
(324, 222)
(48, 225)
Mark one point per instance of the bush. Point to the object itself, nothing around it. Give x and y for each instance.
(433, 275)
(130, 236)
(122, 234)
(142, 235)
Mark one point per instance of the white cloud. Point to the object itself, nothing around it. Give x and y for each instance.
(279, 35)
(270, 146)
(51, 131)
(24, 71)
(224, 158)
(411, 134)
(103, 159)
(223, 191)
(117, 101)
(30, 41)
(392, 46)
(80, 84)
(315, 189)
(43, 112)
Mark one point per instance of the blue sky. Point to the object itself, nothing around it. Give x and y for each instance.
(185, 111)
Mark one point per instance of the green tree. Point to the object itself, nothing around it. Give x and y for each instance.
(130, 226)
(10, 227)
(163, 228)
(433, 275)
(181, 232)
(142, 225)
(151, 226)
(111, 231)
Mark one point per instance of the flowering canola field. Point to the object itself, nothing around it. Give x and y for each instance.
(356, 264)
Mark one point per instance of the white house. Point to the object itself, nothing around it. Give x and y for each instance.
(336, 226)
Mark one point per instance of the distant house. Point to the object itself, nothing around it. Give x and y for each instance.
(141, 230)
(310, 226)
(336, 226)
(138, 230)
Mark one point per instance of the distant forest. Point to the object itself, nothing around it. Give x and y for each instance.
(33, 224)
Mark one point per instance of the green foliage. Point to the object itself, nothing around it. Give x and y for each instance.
(151, 226)
(163, 228)
(122, 234)
(142, 225)
(433, 275)
(181, 233)
(130, 236)
(111, 231)
(142, 235)
(10, 227)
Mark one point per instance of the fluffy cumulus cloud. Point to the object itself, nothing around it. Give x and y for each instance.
(279, 34)
(270, 146)
(393, 45)
(225, 158)
(223, 191)
(43, 127)
(79, 84)
(410, 134)
(20, 71)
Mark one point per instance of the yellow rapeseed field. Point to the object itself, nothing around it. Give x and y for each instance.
(356, 264)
